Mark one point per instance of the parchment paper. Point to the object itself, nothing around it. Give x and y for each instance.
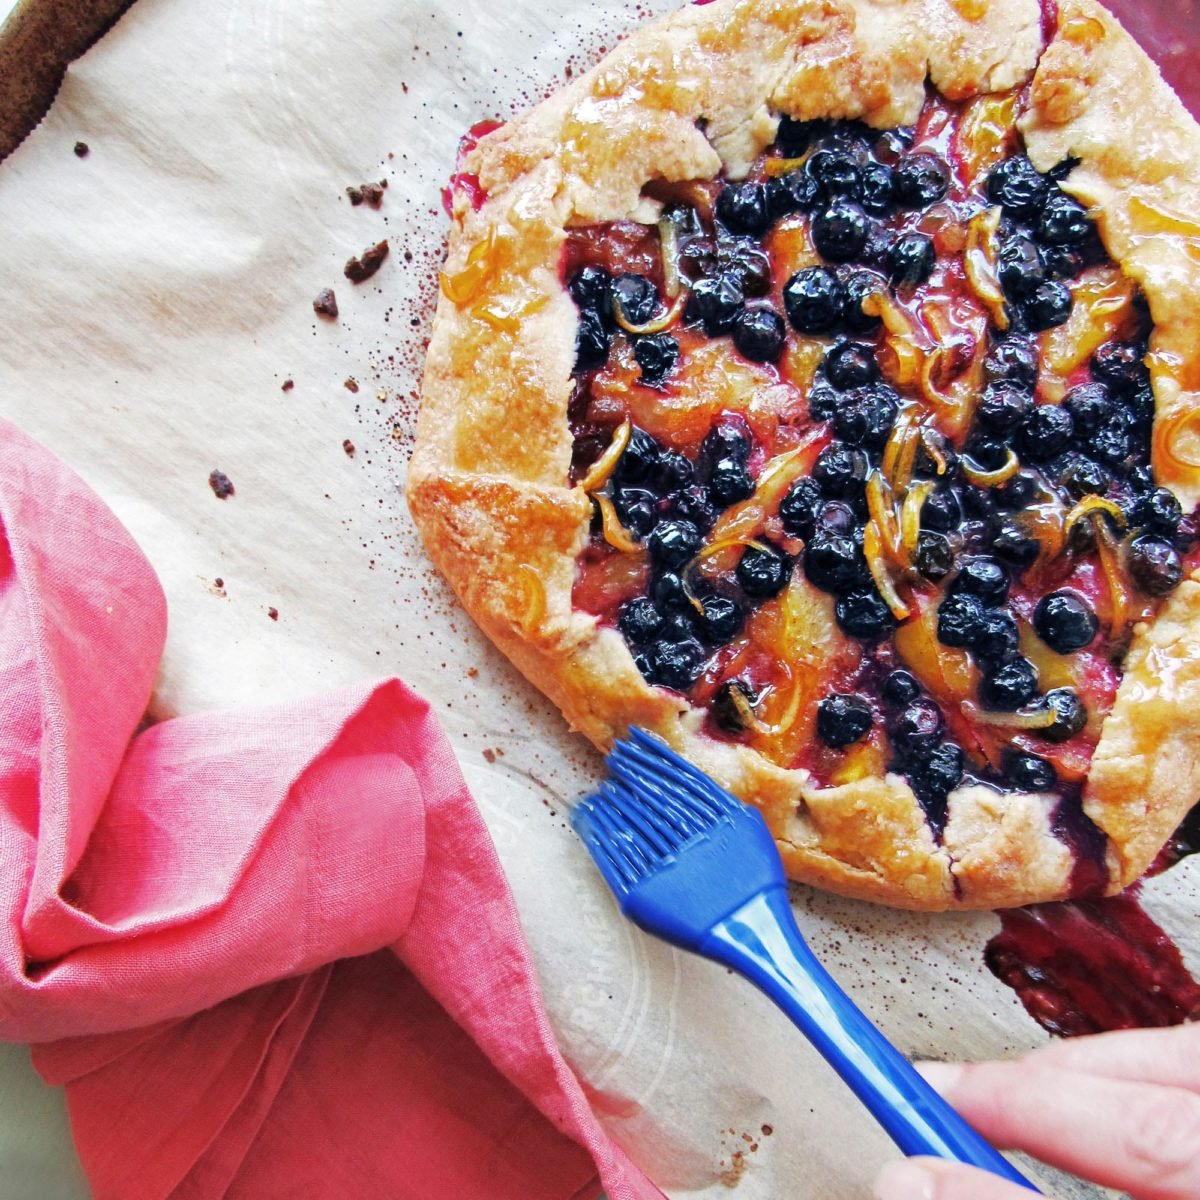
(157, 296)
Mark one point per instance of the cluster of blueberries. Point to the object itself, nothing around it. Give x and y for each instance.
(1095, 443)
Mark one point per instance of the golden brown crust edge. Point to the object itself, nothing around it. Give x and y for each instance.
(487, 481)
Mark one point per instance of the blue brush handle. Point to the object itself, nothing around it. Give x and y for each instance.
(760, 941)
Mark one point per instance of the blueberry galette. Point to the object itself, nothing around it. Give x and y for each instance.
(815, 383)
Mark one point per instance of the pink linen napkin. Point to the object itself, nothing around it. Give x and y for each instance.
(268, 953)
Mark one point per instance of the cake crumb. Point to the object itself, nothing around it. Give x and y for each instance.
(350, 384)
(472, 672)
(82, 149)
(325, 304)
(287, 385)
(348, 446)
(273, 613)
(361, 268)
(367, 193)
(767, 1130)
(490, 755)
(221, 485)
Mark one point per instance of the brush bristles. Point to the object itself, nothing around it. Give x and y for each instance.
(653, 806)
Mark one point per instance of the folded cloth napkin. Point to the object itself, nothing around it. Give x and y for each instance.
(268, 953)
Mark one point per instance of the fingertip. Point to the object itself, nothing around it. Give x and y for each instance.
(943, 1077)
(904, 1180)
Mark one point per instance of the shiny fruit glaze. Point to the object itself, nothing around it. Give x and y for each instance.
(833, 418)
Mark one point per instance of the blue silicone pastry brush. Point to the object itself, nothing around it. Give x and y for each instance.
(693, 865)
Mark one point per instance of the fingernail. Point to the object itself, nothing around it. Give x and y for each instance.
(942, 1077)
(904, 1181)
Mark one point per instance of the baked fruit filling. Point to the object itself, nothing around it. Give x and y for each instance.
(868, 436)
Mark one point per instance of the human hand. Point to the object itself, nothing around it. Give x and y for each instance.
(1119, 1109)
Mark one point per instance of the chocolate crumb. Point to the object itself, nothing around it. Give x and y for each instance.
(490, 755)
(768, 1130)
(351, 384)
(472, 672)
(325, 304)
(221, 485)
(288, 384)
(348, 446)
(82, 149)
(359, 269)
(273, 613)
(369, 193)
(356, 196)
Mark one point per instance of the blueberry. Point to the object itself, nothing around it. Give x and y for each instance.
(1017, 187)
(837, 517)
(1014, 360)
(920, 180)
(675, 664)
(759, 333)
(591, 287)
(983, 578)
(940, 774)
(843, 720)
(850, 364)
(763, 573)
(960, 620)
(1020, 267)
(1155, 566)
(1120, 365)
(1015, 547)
(639, 620)
(833, 562)
(742, 207)
(1070, 716)
(794, 137)
(878, 192)
(858, 285)
(668, 594)
(1062, 262)
(837, 173)
(1063, 221)
(747, 263)
(1045, 432)
(726, 440)
(840, 470)
(1065, 621)
(1003, 407)
(726, 712)
(1090, 406)
(591, 341)
(637, 508)
(998, 639)
(1111, 442)
(978, 503)
(1028, 772)
(911, 259)
(813, 299)
(656, 355)
(693, 503)
(1009, 687)
(987, 453)
(674, 471)
(636, 297)
(863, 613)
(798, 508)
(934, 558)
(1141, 478)
(822, 402)
(840, 230)
(715, 302)
(721, 621)
(918, 729)
(941, 512)
(1082, 477)
(639, 462)
(672, 543)
(1018, 493)
(729, 482)
(1157, 512)
(1050, 305)
(900, 688)
(790, 193)
(865, 416)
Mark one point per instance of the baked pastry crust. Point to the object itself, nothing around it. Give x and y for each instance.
(686, 98)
